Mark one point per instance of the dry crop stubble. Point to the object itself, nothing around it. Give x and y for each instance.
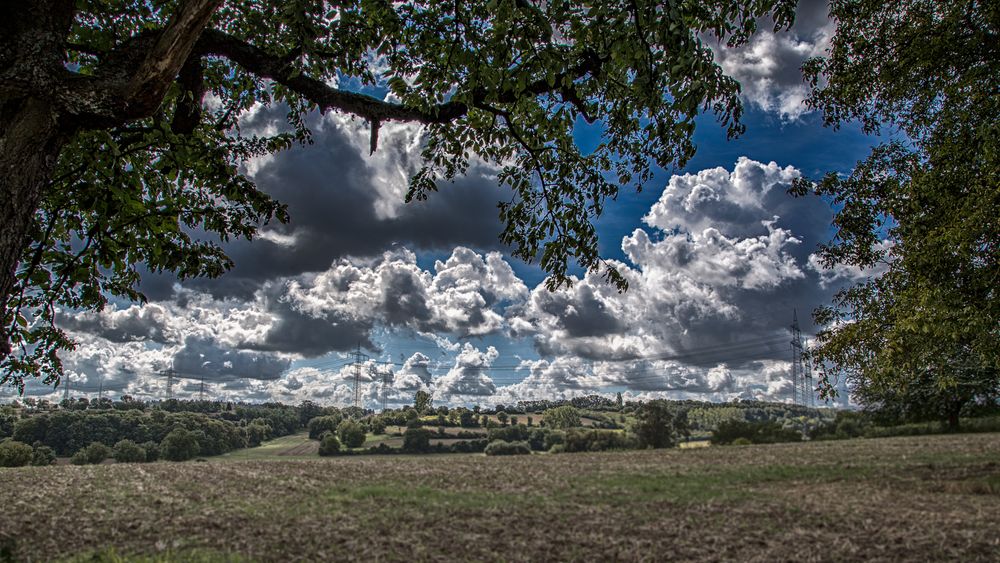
(886, 499)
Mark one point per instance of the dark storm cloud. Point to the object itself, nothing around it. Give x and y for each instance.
(205, 358)
(340, 206)
(129, 325)
(297, 332)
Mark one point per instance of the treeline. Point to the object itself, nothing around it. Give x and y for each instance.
(170, 429)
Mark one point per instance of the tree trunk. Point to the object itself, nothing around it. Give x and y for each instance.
(30, 141)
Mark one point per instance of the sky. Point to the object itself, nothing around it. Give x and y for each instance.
(718, 257)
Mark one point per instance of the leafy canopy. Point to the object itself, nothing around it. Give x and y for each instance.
(503, 81)
(920, 338)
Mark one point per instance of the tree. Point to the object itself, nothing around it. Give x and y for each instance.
(658, 425)
(108, 156)
(179, 445)
(416, 440)
(421, 401)
(329, 444)
(502, 417)
(15, 454)
(921, 337)
(351, 433)
(127, 451)
(562, 417)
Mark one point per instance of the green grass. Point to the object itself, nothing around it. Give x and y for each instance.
(270, 449)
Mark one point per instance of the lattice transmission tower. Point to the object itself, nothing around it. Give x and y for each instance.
(802, 380)
(359, 361)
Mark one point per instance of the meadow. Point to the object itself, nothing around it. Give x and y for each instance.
(904, 498)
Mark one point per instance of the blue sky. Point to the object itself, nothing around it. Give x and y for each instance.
(717, 255)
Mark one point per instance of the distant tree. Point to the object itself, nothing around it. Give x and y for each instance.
(127, 451)
(377, 425)
(15, 454)
(416, 440)
(323, 424)
(179, 445)
(562, 417)
(919, 339)
(502, 417)
(152, 450)
(422, 401)
(466, 419)
(513, 421)
(308, 410)
(329, 444)
(351, 433)
(660, 425)
(618, 400)
(531, 421)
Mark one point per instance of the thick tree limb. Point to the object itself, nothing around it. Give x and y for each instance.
(149, 83)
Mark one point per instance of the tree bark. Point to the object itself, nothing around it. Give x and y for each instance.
(30, 141)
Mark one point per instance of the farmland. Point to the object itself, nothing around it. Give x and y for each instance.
(929, 498)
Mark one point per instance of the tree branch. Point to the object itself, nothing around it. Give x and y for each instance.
(279, 69)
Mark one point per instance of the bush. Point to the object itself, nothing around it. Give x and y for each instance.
(351, 433)
(329, 444)
(179, 445)
(741, 442)
(93, 454)
(152, 450)
(43, 456)
(501, 447)
(416, 440)
(15, 454)
(127, 451)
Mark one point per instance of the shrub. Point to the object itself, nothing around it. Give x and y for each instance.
(501, 447)
(43, 456)
(93, 454)
(179, 445)
(152, 450)
(329, 444)
(741, 442)
(416, 440)
(127, 451)
(351, 433)
(15, 454)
